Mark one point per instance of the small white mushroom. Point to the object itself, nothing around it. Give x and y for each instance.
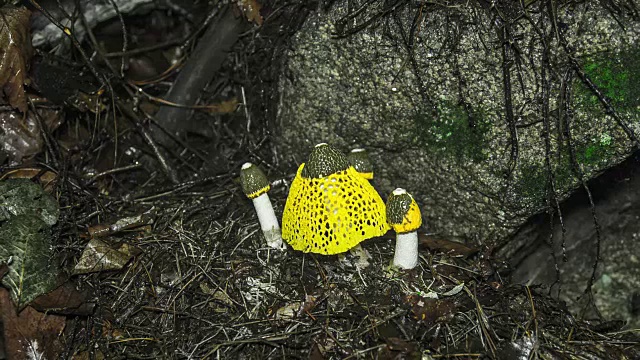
(255, 185)
(404, 217)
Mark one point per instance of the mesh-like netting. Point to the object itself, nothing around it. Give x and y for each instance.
(330, 215)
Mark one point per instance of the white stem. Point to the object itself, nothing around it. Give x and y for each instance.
(268, 221)
(406, 256)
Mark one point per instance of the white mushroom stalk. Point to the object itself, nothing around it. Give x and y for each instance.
(404, 217)
(255, 185)
(406, 255)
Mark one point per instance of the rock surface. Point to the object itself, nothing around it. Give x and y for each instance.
(616, 195)
(434, 117)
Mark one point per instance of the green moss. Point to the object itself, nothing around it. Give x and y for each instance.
(617, 77)
(594, 151)
(454, 131)
(531, 184)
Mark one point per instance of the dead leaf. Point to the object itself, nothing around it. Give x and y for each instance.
(288, 311)
(219, 296)
(65, 300)
(251, 10)
(46, 178)
(223, 107)
(398, 348)
(431, 311)
(309, 304)
(315, 353)
(20, 135)
(127, 223)
(99, 256)
(398, 344)
(88, 355)
(4, 269)
(15, 54)
(30, 334)
(27, 242)
(449, 247)
(111, 333)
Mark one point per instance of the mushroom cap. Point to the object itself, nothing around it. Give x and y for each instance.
(359, 159)
(324, 160)
(332, 214)
(253, 180)
(403, 213)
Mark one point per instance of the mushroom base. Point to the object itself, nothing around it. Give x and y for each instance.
(268, 221)
(406, 255)
(362, 256)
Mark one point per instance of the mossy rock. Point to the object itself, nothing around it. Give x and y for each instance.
(433, 118)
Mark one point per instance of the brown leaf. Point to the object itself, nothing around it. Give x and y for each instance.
(15, 53)
(223, 107)
(309, 303)
(46, 178)
(3, 270)
(449, 247)
(251, 9)
(431, 311)
(30, 334)
(88, 355)
(65, 300)
(315, 353)
(398, 344)
(398, 348)
(20, 136)
(102, 230)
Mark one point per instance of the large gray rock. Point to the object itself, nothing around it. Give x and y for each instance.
(434, 119)
(616, 289)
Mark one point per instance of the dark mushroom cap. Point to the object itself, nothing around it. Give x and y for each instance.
(324, 160)
(254, 182)
(359, 159)
(403, 213)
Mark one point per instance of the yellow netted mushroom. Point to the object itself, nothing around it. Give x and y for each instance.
(330, 208)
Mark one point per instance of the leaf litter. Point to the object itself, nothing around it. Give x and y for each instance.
(16, 52)
(199, 282)
(26, 217)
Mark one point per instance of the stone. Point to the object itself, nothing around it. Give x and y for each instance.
(616, 195)
(433, 118)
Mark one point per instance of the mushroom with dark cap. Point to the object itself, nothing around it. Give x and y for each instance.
(255, 185)
(359, 159)
(404, 217)
(330, 208)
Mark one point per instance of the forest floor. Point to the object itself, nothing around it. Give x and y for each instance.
(151, 268)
